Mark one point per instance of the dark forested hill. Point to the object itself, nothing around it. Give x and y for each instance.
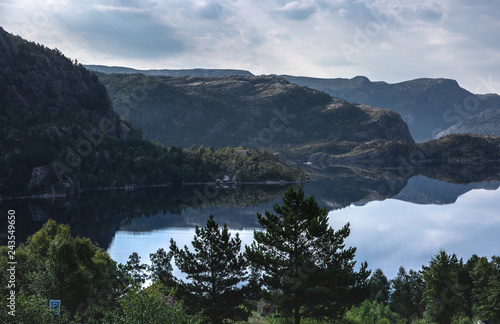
(59, 133)
(428, 106)
(255, 111)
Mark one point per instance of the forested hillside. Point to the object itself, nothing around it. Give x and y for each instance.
(59, 134)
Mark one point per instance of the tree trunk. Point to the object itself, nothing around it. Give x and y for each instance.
(297, 314)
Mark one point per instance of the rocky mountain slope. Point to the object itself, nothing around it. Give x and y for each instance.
(461, 151)
(428, 106)
(485, 122)
(59, 133)
(254, 111)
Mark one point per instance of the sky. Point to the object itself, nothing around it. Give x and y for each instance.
(385, 40)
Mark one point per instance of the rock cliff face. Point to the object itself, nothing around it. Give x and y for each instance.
(428, 106)
(484, 123)
(254, 111)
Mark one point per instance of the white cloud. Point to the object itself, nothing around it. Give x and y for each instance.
(296, 10)
(391, 41)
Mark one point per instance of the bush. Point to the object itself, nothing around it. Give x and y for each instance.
(372, 312)
(152, 305)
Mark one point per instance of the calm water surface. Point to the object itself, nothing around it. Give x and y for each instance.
(387, 233)
(395, 221)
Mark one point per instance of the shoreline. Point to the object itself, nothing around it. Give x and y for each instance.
(165, 185)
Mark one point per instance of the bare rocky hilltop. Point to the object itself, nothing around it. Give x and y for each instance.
(254, 111)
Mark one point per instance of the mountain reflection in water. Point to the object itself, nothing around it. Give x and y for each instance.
(395, 220)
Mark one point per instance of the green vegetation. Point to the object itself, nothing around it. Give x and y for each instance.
(306, 270)
(59, 134)
(153, 305)
(298, 269)
(372, 312)
(214, 271)
(54, 265)
(406, 296)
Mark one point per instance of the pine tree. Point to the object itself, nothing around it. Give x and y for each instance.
(214, 269)
(134, 269)
(406, 294)
(306, 268)
(443, 295)
(486, 291)
(161, 268)
(379, 287)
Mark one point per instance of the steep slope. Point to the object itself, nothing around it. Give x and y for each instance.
(484, 123)
(428, 106)
(254, 111)
(168, 72)
(59, 133)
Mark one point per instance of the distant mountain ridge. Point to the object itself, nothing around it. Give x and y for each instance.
(485, 122)
(428, 106)
(169, 72)
(253, 111)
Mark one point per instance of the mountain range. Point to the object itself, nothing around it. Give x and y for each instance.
(254, 111)
(298, 123)
(169, 72)
(64, 128)
(428, 106)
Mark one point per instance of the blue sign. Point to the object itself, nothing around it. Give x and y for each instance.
(55, 305)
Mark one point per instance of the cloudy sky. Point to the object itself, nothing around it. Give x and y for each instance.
(385, 40)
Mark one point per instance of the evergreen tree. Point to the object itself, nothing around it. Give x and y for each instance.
(406, 296)
(161, 268)
(443, 294)
(134, 269)
(494, 289)
(214, 269)
(379, 287)
(486, 291)
(306, 268)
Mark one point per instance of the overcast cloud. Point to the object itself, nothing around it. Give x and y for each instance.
(382, 39)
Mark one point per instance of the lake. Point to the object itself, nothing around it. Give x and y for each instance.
(406, 230)
(395, 221)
